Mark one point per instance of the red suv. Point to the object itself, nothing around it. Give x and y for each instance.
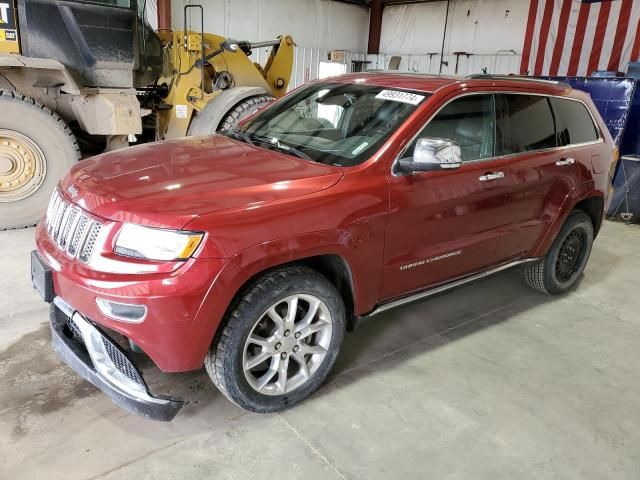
(253, 251)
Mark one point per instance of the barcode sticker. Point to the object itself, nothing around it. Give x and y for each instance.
(400, 96)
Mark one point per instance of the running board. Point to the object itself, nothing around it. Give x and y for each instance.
(447, 286)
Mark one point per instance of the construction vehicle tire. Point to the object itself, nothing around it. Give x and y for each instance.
(242, 110)
(36, 150)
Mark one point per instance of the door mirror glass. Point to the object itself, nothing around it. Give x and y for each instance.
(432, 154)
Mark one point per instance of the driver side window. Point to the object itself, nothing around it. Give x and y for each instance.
(469, 122)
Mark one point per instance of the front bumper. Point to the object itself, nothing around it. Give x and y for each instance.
(101, 361)
(182, 310)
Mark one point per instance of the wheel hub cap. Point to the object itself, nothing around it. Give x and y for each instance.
(287, 344)
(22, 166)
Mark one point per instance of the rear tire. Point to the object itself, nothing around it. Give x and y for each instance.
(567, 258)
(243, 110)
(257, 357)
(36, 150)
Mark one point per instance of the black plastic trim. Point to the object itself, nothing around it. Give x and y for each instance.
(41, 277)
(78, 359)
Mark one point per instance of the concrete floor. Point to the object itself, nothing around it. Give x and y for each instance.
(491, 381)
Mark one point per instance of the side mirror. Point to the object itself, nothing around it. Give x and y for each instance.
(432, 154)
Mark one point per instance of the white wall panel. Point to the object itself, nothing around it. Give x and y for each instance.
(486, 26)
(491, 30)
(415, 28)
(312, 23)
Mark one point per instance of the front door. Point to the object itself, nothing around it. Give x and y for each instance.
(445, 224)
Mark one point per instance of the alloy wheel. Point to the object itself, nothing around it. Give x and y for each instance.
(287, 344)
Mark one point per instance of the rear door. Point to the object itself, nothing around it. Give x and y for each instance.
(577, 129)
(542, 172)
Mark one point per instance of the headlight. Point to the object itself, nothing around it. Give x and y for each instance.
(156, 244)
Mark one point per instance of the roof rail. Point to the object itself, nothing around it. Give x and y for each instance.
(487, 76)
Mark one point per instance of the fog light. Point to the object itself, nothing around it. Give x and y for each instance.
(122, 311)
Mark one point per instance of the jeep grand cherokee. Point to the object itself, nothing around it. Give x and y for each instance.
(251, 252)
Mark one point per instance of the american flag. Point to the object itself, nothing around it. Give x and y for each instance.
(578, 37)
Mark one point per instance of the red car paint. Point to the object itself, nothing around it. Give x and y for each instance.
(259, 209)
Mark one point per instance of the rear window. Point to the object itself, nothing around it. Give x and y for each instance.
(575, 124)
(531, 123)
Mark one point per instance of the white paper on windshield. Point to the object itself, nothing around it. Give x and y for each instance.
(400, 96)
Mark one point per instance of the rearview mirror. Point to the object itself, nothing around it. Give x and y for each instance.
(432, 154)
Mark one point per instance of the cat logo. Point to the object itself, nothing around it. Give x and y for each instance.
(4, 12)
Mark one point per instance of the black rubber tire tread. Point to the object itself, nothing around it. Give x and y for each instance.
(217, 361)
(66, 136)
(540, 275)
(242, 110)
(534, 276)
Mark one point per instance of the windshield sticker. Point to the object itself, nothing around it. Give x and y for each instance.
(359, 148)
(399, 96)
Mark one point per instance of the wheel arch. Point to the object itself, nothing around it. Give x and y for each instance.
(338, 271)
(594, 207)
(327, 252)
(592, 204)
(334, 267)
(210, 117)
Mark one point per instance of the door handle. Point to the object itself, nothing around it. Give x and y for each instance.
(491, 176)
(565, 161)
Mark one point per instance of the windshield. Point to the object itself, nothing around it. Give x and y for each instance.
(336, 124)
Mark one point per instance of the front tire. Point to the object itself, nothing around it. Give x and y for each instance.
(36, 150)
(567, 258)
(279, 341)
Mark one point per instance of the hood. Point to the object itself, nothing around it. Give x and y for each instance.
(167, 184)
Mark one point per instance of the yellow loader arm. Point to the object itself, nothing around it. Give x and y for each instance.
(193, 85)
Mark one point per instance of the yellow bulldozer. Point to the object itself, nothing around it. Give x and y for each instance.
(82, 77)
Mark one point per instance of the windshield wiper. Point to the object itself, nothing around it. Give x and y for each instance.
(274, 142)
(239, 134)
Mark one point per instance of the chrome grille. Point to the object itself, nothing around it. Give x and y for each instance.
(78, 235)
(73, 231)
(87, 250)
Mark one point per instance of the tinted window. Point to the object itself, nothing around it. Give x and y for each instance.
(468, 121)
(531, 123)
(575, 122)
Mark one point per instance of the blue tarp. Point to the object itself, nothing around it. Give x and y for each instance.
(615, 98)
(626, 195)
